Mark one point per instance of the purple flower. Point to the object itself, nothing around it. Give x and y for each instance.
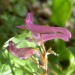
(47, 32)
(22, 53)
(39, 33)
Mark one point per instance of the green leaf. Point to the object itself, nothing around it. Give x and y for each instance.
(61, 10)
(62, 49)
(20, 9)
(10, 65)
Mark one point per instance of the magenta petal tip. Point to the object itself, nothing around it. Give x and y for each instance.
(21, 27)
(29, 17)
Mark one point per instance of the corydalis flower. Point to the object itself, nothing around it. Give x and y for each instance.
(22, 53)
(47, 32)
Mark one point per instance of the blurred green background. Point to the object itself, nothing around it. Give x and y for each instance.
(46, 12)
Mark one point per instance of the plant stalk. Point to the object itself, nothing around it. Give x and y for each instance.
(44, 59)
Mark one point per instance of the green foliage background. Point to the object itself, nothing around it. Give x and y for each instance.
(13, 13)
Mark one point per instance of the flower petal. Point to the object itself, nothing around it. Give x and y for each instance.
(47, 29)
(44, 29)
(39, 29)
(46, 37)
(36, 36)
(29, 18)
(22, 27)
(22, 53)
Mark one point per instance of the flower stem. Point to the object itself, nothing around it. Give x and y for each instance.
(44, 59)
(45, 63)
